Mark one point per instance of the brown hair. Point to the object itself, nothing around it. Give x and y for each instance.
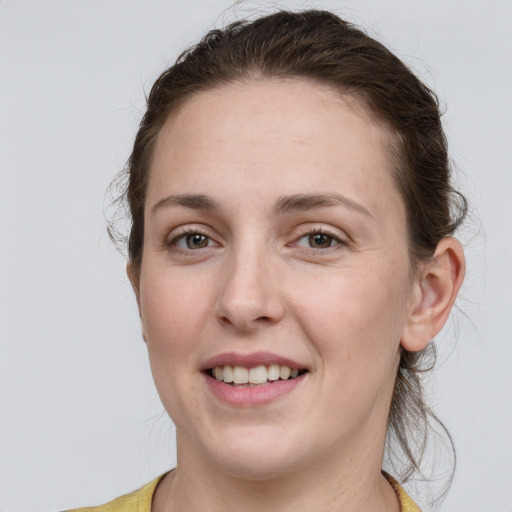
(319, 46)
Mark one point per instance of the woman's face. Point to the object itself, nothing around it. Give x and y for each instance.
(275, 240)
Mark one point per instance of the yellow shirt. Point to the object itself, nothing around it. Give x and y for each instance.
(140, 501)
(137, 501)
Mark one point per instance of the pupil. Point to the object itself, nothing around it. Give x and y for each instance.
(320, 240)
(196, 241)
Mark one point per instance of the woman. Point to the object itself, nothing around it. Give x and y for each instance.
(292, 259)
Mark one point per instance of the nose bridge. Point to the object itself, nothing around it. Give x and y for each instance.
(248, 294)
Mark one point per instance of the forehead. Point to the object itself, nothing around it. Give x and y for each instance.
(276, 134)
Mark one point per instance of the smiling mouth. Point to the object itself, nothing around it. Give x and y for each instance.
(263, 375)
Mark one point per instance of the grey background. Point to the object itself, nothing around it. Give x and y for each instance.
(80, 420)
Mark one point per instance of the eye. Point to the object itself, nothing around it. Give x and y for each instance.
(191, 241)
(319, 240)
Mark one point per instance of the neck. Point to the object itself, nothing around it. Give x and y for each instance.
(330, 484)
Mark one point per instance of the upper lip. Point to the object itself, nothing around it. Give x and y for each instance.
(250, 360)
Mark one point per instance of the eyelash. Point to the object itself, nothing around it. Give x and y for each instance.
(188, 232)
(182, 235)
(335, 240)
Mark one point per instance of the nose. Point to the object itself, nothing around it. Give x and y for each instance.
(249, 295)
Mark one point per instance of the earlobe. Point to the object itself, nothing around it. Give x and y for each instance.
(438, 284)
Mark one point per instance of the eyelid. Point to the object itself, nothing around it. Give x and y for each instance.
(313, 229)
(341, 239)
(181, 232)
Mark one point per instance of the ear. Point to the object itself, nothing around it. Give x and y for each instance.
(435, 291)
(134, 278)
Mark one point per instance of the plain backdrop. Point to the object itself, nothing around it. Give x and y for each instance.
(80, 420)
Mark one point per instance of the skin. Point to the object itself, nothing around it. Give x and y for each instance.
(258, 282)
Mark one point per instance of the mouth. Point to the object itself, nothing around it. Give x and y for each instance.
(257, 376)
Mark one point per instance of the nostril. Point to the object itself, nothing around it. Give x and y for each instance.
(264, 319)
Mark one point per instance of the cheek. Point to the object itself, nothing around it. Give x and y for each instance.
(172, 311)
(357, 322)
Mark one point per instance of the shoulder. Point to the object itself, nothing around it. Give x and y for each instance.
(137, 501)
(406, 502)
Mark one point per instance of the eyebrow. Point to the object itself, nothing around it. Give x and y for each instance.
(301, 202)
(286, 204)
(193, 201)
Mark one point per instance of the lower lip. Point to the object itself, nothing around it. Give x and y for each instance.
(250, 397)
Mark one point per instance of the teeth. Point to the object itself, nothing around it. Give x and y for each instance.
(258, 375)
(227, 373)
(240, 375)
(284, 372)
(273, 372)
(253, 376)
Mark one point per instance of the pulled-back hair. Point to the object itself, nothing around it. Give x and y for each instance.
(318, 46)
